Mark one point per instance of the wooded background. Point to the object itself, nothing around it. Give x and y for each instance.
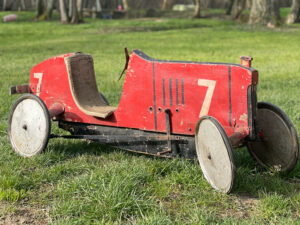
(264, 12)
(15, 5)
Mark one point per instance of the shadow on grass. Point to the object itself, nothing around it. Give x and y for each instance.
(74, 148)
(163, 27)
(251, 179)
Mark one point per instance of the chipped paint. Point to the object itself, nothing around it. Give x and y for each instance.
(243, 117)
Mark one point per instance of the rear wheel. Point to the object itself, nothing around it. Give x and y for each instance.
(214, 154)
(29, 126)
(278, 147)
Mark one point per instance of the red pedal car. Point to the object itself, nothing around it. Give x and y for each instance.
(167, 108)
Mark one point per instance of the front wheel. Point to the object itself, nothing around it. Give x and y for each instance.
(29, 126)
(278, 147)
(214, 154)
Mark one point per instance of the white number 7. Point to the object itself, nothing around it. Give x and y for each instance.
(209, 93)
(38, 76)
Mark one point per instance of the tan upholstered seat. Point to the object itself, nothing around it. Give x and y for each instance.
(84, 87)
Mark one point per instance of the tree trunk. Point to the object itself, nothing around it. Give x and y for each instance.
(294, 15)
(80, 10)
(49, 10)
(4, 5)
(98, 10)
(39, 9)
(125, 5)
(18, 5)
(70, 8)
(167, 4)
(229, 7)
(197, 9)
(63, 12)
(74, 12)
(265, 12)
(23, 6)
(238, 8)
(98, 6)
(248, 4)
(86, 4)
(8, 4)
(164, 5)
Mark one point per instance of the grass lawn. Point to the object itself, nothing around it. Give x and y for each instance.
(76, 182)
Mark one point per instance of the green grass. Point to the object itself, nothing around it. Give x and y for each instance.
(76, 182)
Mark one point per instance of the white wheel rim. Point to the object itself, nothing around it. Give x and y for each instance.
(213, 156)
(29, 128)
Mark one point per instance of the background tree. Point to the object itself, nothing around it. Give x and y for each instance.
(167, 4)
(23, 5)
(12, 4)
(229, 7)
(39, 9)
(80, 9)
(49, 9)
(294, 15)
(265, 12)
(237, 8)
(73, 12)
(125, 5)
(63, 12)
(4, 3)
(197, 9)
(96, 7)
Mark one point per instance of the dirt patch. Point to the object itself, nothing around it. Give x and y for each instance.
(244, 206)
(20, 214)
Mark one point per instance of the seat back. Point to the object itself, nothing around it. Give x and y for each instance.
(83, 85)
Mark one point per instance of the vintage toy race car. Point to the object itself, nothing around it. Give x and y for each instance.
(167, 109)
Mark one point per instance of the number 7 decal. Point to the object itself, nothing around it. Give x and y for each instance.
(38, 76)
(210, 84)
